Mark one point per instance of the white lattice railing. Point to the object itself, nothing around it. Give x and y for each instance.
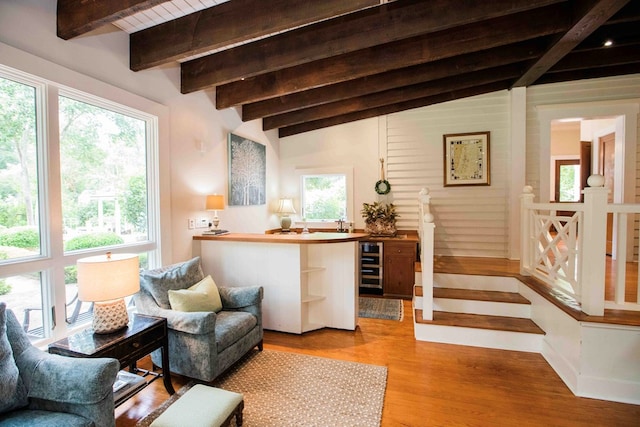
(567, 250)
(426, 230)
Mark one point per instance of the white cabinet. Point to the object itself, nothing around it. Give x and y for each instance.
(307, 286)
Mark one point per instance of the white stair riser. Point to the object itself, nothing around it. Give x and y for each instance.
(417, 302)
(502, 340)
(482, 283)
(490, 308)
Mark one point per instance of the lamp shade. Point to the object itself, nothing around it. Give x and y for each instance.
(215, 202)
(108, 277)
(285, 206)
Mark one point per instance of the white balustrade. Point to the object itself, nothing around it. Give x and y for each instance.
(426, 230)
(567, 251)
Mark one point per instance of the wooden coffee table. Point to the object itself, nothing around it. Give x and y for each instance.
(143, 335)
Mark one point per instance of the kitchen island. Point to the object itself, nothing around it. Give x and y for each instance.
(310, 280)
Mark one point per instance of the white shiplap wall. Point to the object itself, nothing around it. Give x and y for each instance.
(470, 221)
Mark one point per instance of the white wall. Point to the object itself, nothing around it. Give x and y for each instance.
(353, 145)
(469, 220)
(30, 26)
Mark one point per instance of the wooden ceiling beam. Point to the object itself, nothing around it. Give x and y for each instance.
(401, 77)
(386, 23)
(394, 108)
(590, 73)
(394, 96)
(597, 58)
(418, 50)
(218, 27)
(590, 15)
(79, 17)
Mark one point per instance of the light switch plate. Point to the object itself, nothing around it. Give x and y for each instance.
(191, 223)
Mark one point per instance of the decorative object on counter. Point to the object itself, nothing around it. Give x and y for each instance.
(247, 172)
(215, 203)
(106, 280)
(382, 186)
(285, 207)
(466, 159)
(379, 218)
(305, 229)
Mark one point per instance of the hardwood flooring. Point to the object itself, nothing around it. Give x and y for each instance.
(431, 384)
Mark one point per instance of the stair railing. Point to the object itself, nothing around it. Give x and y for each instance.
(426, 231)
(564, 245)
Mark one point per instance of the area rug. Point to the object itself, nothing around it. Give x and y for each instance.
(381, 308)
(288, 389)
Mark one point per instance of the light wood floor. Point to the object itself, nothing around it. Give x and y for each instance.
(433, 384)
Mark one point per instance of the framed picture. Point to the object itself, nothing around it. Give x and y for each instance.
(247, 172)
(466, 159)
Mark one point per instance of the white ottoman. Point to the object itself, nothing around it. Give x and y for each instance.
(203, 406)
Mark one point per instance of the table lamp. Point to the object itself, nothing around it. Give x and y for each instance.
(105, 280)
(285, 207)
(215, 202)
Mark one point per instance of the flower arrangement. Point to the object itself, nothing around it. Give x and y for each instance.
(379, 218)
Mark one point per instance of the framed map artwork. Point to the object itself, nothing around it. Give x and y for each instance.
(466, 159)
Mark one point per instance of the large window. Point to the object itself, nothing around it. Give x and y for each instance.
(76, 179)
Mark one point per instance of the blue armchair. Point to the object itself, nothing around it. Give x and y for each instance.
(45, 389)
(203, 343)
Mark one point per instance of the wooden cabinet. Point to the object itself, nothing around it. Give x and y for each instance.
(399, 262)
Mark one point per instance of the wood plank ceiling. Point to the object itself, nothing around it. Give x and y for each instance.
(302, 65)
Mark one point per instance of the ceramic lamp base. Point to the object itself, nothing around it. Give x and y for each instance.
(285, 223)
(109, 316)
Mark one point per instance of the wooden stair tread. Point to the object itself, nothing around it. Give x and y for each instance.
(480, 321)
(479, 295)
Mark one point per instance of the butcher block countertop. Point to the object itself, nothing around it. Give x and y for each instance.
(318, 237)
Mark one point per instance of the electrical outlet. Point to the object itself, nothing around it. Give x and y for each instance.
(202, 223)
(192, 223)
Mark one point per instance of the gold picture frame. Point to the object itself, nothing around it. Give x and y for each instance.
(466, 159)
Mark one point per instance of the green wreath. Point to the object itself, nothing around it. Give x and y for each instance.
(383, 187)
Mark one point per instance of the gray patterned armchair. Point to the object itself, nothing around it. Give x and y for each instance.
(42, 389)
(203, 342)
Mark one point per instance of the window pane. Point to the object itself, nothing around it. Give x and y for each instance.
(23, 295)
(103, 171)
(324, 197)
(569, 183)
(76, 311)
(19, 228)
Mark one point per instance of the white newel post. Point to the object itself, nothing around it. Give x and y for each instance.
(426, 249)
(592, 261)
(526, 199)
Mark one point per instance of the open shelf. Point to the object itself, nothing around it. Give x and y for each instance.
(312, 269)
(312, 298)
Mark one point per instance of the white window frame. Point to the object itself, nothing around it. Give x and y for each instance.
(347, 171)
(52, 260)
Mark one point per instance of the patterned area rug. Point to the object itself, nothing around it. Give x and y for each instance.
(381, 308)
(287, 389)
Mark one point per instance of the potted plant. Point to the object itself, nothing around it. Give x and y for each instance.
(379, 218)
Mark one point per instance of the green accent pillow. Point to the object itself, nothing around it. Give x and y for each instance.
(203, 296)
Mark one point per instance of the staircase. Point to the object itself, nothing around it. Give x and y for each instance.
(480, 311)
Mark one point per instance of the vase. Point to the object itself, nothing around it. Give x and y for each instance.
(380, 228)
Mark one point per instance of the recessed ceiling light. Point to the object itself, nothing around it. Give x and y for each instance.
(608, 43)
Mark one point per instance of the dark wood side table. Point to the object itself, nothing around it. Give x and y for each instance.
(143, 335)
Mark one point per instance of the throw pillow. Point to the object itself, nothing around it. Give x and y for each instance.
(12, 393)
(203, 296)
(158, 282)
